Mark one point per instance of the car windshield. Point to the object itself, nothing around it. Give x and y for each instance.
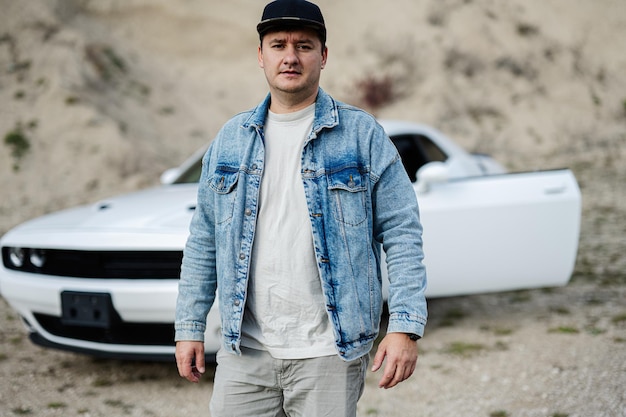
(191, 174)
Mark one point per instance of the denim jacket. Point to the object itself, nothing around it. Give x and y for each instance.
(359, 199)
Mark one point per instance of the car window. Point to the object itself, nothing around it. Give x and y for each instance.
(433, 152)
(415, 151)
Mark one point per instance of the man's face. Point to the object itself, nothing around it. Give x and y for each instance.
(292, 61)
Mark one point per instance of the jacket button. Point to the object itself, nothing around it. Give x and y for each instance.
(242, 256)
(237, 302)
(248, 212)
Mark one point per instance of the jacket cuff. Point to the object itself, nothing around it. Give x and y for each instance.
(189, 331)
(400, 324)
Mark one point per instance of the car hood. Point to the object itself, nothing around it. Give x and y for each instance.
(162, 211)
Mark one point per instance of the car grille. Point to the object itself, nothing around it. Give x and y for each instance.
(121, 333)
(106, 264)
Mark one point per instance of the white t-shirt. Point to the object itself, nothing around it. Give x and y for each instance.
(285, 309)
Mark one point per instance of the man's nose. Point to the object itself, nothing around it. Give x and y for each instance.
(291, 57)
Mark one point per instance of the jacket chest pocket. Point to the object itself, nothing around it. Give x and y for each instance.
(223, 183)
(348, 191)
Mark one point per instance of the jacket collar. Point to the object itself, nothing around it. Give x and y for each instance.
(326, 114)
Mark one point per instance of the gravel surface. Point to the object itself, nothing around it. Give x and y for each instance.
(539, 353)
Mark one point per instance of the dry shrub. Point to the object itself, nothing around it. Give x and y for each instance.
(376, 92)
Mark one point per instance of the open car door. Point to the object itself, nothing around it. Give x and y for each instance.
(500, 232)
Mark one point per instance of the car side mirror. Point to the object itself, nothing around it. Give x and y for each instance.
(435, 172)
(169, 176)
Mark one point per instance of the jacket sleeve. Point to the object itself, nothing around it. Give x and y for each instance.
(397, 226)
(198, 278)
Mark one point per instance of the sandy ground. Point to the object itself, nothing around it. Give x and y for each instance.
(108, 93)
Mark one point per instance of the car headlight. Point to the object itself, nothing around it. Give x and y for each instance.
(37, 257)
(17, 256)
(24, 259)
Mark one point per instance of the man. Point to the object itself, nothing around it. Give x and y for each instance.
(295, 199)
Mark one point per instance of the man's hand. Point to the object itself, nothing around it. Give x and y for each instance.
(401, 354)
(190, 359)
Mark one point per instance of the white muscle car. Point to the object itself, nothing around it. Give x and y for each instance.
(102, 279)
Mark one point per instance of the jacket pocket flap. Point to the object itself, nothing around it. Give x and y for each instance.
(349, 179)
(223, 180)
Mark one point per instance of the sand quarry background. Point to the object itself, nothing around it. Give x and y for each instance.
(108, 94)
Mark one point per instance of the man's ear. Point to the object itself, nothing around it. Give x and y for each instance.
(324, 57)
(260, 56)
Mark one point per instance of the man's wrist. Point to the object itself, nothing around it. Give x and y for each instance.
(413, 336)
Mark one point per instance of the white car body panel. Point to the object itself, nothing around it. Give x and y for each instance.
(483, 231)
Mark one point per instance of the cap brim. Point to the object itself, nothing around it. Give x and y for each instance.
(277, 23)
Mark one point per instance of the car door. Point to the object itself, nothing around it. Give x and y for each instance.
(501, 232)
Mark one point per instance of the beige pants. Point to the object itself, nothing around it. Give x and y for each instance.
(255, 384)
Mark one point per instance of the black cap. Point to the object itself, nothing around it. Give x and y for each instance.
(298, 13)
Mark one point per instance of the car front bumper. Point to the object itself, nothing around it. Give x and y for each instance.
(140, 326)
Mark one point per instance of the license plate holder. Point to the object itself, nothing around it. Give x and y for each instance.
(87, 309)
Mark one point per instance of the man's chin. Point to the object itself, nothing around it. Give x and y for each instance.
(290, 89)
